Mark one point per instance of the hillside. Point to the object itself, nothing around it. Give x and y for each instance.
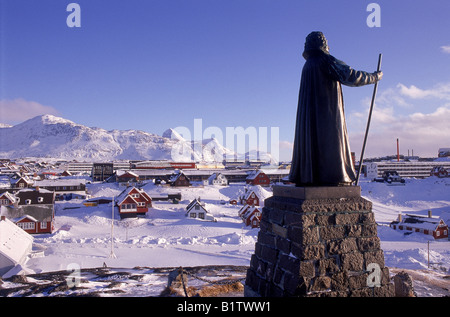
(47, 136)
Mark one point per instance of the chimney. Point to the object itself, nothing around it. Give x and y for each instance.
(429, 213)
(398, 151)
(2, 218)
(400, 217)
(37, 188)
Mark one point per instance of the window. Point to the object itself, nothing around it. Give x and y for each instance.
(135, 195)
(43, 225)
(28, 201)
(197, 207)
(40, 199)
(201, 215)
(193, 215)
(128, 206)
(26, 225)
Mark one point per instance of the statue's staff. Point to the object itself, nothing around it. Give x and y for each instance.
(368, 122)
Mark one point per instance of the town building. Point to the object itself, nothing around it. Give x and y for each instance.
(64, 188)
(429, 225)
(31, 209)
(133, 202)
(250, 215)
(197, 210)
(179, 179)
(217, 179)
(102, 171)
(404, 169)
(250, 198)
(258, 177)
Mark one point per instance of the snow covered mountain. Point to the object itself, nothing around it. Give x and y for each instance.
(55, 137)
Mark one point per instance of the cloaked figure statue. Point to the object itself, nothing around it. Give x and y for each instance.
(321, 153)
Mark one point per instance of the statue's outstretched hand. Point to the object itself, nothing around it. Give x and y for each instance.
(379, 75)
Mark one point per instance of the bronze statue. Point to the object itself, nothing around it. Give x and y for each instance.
(321, 154)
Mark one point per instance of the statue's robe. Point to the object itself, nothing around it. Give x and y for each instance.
(321, 153)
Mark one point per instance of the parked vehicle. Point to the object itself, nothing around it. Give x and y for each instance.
(390, 177)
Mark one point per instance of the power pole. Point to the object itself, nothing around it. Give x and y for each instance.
(112, 255)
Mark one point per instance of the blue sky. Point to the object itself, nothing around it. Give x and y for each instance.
(157, 64)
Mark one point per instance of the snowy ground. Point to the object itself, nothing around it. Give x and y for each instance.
(166, 238)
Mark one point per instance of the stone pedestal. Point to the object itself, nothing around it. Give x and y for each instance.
(316, 242)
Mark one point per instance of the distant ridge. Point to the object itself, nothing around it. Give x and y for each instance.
(48, 136)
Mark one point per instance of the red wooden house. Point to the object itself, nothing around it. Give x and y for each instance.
(126, 178)
(250, 198)
(430, 225)
(7, 199)
(258, 178)
(21, 182)
(31, 225)
(32, 210)
(251, 215)
(179, 179)
(133, 202)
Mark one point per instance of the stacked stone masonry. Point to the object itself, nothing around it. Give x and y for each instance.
(316, 248)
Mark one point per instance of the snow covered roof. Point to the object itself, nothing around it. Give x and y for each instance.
(253, 175)
(15, 244)
(420, 221)
(41, 190)
(249, 193)
(121, 173)
(61, 182)
(194, 203)
(177, 175)
(24, 178)
(126, 193)
(16, 220)
(247, 211)
(5, 182)
(8, 195)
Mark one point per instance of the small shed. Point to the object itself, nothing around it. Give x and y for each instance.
(15, 245)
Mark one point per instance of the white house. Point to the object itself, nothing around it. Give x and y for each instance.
(196, 210)
(217, 179)
(15, 245)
